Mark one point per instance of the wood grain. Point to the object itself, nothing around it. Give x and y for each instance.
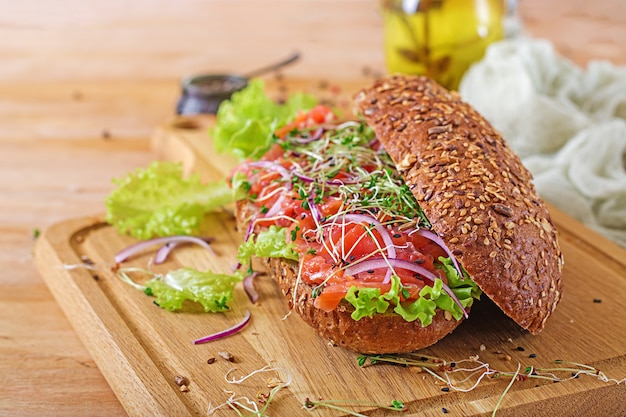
(73, 70)
(99, 40)
(140, 348)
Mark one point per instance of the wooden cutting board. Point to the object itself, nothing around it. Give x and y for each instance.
(141, 348)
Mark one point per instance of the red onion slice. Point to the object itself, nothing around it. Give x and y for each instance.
(438, 240)
(402, 264)
(380, 263)
(315, 211)
(165, 250)
(272, 166)
(278, 204)
(225, 333)
(303, 177)
(250, 229)
(248, 286)
(314, 136)
(384, 233)
(133, 249)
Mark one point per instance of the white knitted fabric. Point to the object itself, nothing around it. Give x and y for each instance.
(568, 124)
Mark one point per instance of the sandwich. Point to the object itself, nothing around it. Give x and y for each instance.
(383, 230)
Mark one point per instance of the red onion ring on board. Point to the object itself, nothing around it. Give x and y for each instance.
(225, 333)
(248, 286)
(133, 249)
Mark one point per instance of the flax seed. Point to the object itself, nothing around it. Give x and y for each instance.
(435, 130)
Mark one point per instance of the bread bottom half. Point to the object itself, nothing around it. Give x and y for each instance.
(381, 333)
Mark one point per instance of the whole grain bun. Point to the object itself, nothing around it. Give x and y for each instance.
(475, 191)
(382, 333)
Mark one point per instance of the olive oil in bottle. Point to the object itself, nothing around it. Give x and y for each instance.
(439, 38)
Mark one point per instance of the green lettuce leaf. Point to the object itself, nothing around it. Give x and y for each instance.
(240, 185)
(465, 289)
(247, 121)
(270, 243)
(158, 201)
(368, 301)
(213, 291)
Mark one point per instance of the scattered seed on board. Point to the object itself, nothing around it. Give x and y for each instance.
(273, 382)
(226, 355)
(181, 380)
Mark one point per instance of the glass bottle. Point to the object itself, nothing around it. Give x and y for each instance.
(440, 38)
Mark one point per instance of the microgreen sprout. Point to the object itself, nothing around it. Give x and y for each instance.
(316, 291)
(347, 149)
(405, 292)
(294, 233)
(421, 361)
(256, 408)
(341, 405)
(465, 375)
(508, 387)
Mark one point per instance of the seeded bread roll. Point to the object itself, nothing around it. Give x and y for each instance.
(474, 190)
(382, 333)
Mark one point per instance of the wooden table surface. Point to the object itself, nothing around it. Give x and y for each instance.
(82, 87)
